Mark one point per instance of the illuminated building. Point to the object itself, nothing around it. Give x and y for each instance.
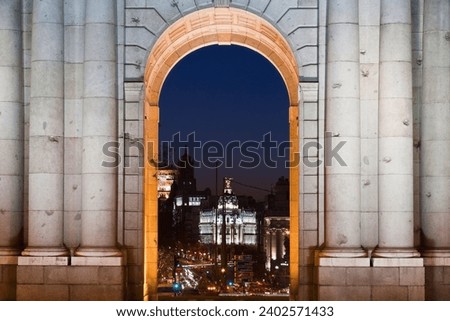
(276, 236)
(187, 201)
(166, 177)
(276, 232)
(240, 223)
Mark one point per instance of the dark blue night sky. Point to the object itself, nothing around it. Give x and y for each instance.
(227, 93)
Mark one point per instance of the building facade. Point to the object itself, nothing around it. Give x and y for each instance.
(166, 177)
(368, 84)
(275, 231)
(275, 236)
(240, 224)
(187, 202)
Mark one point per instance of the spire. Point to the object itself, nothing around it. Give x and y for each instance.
(227, 185)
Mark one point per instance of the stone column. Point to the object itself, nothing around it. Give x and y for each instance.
(279, 238)
(435, 135)
(11, 127)
(342, 123)
(99, 180)
(395, 130)
(46, 161)
(273, 244)
(74, 12)
(241, 234)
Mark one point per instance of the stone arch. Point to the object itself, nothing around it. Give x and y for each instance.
(219, 26)
(222, 26)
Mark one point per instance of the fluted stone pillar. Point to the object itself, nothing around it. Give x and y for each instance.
(435, 130)
(396, 206)
(343, 180)
(46, 163)
(11, 127)
(99, 182)
(74, 12)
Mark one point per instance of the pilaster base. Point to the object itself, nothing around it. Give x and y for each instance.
(396, 253)
(98, 252)
(438, 253)
(9, 251)
(45, 251)
(343, 252)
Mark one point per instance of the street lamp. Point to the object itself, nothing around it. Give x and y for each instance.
(224, 278)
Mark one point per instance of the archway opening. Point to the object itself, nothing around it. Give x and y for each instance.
(224, 113)
(203, 28)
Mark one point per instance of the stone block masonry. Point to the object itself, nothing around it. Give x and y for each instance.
(371, 283)
(379, 280)
(8, 282)
(71, 282)
(437, 280)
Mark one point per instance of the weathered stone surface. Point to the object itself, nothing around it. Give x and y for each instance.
(7, 291)
(132, 220)
(358, 276)
(30, 274)
(98, 261)
(83, 275)
(412, 276)
(55, 275)
(47, 292)
(435, 133)
(344, 293)
(395, 134)
(8, 281)
(96, 293)
(447, 275)
(386, 276)
(46, 144)
(437, 292)
(390, 293)
(416, 293)
(11, 126)
(111, 275)
(332, 275)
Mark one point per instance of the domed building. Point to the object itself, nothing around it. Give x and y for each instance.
(240, 223)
